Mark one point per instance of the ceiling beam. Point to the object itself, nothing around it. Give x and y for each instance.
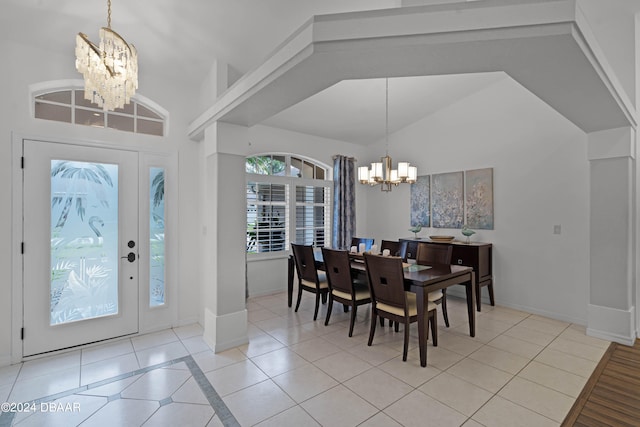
(545, 46)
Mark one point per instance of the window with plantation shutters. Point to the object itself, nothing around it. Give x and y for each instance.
(312, 219)
(267, 213)
(288, 201)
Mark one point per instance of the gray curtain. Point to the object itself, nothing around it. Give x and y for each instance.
(344, 200)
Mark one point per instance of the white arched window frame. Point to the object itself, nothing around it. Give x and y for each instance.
(63, 101)
(288, 200)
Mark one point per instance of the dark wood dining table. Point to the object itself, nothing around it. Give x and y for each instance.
(421, 281)
(439, 276)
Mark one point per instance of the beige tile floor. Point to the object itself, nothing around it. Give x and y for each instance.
(519, 370)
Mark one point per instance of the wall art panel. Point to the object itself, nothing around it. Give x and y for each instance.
(420, 198)
(479, 198)
(447, 200)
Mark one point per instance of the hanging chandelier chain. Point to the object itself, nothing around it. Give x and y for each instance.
(386, 116)
(382, 173)
(109, 14)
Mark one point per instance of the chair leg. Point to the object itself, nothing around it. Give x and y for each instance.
(324, 297)
(372, 330)
(345, 308)
(444, 308)
(491, 297)
(478, 295)
(406, 341)
(329, 309)
(433, 321)
(354, 309)
(315, 313)
(396, 326)
(382, 321)
(299, 297)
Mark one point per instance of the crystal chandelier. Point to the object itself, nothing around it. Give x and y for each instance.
(382, 172)
(110, 70)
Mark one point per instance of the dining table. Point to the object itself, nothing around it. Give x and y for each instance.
(420, 279)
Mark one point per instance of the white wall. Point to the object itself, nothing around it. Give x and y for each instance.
(541, 179)
(266, 276)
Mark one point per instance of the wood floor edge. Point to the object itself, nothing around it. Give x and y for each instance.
(578, 405)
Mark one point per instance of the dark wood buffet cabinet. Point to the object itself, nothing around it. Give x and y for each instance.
(475, 254)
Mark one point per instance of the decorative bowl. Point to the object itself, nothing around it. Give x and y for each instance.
(442, 238)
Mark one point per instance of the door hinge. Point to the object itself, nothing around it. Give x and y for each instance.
(22, 162)
(22, 334)
(22, 248)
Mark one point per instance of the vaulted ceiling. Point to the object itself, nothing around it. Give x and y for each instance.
(547, 46)
(354, 110)
(179, 40)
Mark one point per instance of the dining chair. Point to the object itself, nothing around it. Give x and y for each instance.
(342, 286)
(434, 253)
(395, 248)
(392, 245)
(355, 241)
(309, 278)
(389, 299)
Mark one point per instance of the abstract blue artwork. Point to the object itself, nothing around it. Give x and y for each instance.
(447, 200)
(420, 202)
(479, 200)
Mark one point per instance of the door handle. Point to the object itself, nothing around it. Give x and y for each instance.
(131, 257)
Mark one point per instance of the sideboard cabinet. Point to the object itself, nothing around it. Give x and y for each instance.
(476, 255)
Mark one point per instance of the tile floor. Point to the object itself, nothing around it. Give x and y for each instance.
(519, 370)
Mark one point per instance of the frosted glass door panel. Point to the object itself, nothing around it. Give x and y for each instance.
(156, 238)
(84, 240)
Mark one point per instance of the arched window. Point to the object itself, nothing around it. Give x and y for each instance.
(288, 200)
(69, 106)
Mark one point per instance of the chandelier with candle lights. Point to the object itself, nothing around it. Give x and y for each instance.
(382, 172)
(110, 70)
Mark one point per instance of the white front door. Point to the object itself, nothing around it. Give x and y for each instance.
(81, 244)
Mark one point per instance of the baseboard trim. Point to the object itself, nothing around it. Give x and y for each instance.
(5, 360)
(611, 337)
(532, 310)
(265, 292)
(225, 331)
(612, 324)
(188, 321)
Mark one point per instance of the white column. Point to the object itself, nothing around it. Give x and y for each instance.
(611, 313)
(215, 84)
(224, 217)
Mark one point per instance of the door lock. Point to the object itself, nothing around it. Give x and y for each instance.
(131, 257)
